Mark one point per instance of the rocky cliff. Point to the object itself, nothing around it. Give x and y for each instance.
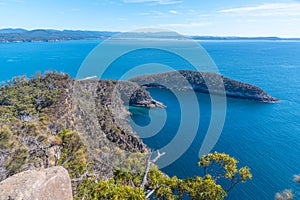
(205, 82)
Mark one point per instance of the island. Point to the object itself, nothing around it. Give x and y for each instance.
(204, 82)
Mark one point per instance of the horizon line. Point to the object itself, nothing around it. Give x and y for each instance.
(187, 35)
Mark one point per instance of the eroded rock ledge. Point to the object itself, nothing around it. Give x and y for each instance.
(134, 95)
(204, 82)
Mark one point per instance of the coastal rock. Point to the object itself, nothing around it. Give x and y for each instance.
(142, 98)
(134, 95)
(204, 82)
(45, 184)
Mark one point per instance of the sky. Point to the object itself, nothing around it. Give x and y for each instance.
(190, 17)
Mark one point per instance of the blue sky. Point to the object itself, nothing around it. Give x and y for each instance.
(191, 17)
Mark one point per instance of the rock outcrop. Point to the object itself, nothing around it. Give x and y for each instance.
(134, 95)
(204, 82)
(44, 184)
(142, 98)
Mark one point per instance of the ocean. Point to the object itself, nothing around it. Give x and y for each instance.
(265, 137)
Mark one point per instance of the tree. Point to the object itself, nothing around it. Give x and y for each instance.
(161, 186)
(222, 166)
(204, 188)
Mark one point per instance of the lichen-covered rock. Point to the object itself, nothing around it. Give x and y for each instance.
(44, 184)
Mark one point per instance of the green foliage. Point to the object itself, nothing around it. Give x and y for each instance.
(221, 165)
(125, 177)
(25, 98)
(7, 114)
(30, 133)
(5, 137)
(15, 163)
(164, 186)
(135, 162)
(73, 154)
(204, 188)
(112, 190)
(126, 185)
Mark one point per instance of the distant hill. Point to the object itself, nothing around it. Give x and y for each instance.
(50, 35)
(239, 38)
(11, 30)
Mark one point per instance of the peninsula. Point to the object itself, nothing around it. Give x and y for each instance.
(204, 82)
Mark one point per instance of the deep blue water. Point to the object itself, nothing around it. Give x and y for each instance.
(265, 137)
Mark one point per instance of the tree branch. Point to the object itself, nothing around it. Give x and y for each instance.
(4, 152)
(233, 183)
(85, 174)
(150, 193)
(149, 163)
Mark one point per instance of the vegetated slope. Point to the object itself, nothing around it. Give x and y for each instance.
(205, 82)
(79, 124)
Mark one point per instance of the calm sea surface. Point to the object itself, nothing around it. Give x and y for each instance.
(265, 137)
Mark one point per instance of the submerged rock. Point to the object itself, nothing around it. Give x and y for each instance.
(44, 184)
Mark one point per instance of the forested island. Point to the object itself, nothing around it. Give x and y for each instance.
(204, 82)
(53, 120)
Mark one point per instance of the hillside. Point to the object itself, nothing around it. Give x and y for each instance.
(43, 124)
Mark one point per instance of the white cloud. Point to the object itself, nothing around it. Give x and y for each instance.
(184, 25)
(173, 11)
(152, 13)
(161, 2)
(271, 9)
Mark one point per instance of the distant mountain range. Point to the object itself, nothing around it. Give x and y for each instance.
(50, 35)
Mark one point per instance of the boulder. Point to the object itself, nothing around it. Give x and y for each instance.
(43, 184)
